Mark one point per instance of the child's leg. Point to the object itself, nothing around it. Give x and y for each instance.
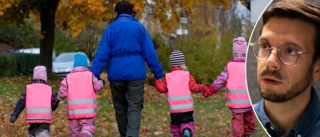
(175, 125)
(75, 127)
(237, 125)
(43, 130)
(175, 130)
(249, 122)
(87, 129)
(32, 129)
(187, 122)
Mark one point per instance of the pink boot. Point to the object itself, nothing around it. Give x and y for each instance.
(189, 125)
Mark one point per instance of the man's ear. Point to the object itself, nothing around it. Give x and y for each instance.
(316, 70)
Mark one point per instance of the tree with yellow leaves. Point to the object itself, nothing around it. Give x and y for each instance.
(73, 15)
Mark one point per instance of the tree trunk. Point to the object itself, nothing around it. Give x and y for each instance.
(47, 17)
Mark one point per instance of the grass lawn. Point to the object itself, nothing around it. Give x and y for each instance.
(212, 116)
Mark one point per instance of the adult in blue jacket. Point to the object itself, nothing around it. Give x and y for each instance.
(126, 44)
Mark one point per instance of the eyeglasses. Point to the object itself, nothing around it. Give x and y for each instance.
(288, 54)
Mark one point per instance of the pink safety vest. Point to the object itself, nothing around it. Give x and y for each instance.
(179, 95)
(38, 103)
(82, 99)
(236, 90)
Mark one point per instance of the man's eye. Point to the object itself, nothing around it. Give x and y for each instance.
(290, 51)
(264, 46)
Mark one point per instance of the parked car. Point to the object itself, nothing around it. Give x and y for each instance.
(36, 51)
(63, 64)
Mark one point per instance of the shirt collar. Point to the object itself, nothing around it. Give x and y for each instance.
(39, 81)
(124, 16)
(305, 124)
(176, 68)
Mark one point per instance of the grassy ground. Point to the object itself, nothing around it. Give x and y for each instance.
(212, 116)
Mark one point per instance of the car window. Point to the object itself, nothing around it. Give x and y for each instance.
(65, 58)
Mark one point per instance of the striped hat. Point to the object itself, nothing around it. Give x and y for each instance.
(176, 59)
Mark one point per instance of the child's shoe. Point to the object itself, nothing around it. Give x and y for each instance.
(186, 132)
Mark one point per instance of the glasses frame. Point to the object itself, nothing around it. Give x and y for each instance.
(278, 53)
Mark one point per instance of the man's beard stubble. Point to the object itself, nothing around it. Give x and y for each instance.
(292, 92)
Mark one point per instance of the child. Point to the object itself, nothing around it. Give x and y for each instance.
(179, 84)
(80, 86)
(39, 100)
(243, 120)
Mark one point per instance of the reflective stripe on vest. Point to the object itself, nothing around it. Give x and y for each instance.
(38, 103)
(183, 106)
(179, 95)
(48, 119)
(82, 111)
(82, 99)
(38, 110)
(236, 90)
(238, 101)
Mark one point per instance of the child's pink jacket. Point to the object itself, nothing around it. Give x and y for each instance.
(63, 92)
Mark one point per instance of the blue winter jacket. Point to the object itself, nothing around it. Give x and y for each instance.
(126, 44)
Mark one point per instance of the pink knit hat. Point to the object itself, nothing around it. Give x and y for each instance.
(40, 72)
(239, 45)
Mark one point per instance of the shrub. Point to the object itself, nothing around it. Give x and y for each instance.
(206, 51)
(20, 36)
(17, 64)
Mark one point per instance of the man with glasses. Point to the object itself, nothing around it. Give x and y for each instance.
(288, 63)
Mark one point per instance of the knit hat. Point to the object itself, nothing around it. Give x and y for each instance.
(80, 60)
(176, 59)
(239, 45)
(40, 72)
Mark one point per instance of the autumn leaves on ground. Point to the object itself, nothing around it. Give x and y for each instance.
(212, 116)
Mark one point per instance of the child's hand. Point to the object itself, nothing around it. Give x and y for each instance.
(202, 88)
(211, 90)
(103, 82)
(13, 119)
(206, 94)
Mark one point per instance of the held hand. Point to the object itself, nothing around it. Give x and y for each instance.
(211, 89)
(205, 91)
(158, 81)
(104, 83)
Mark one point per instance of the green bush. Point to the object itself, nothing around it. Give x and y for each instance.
(20, 36)
(17, 64)
(206, 54)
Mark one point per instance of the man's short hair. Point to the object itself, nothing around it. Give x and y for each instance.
(124, 7)
(297, 9)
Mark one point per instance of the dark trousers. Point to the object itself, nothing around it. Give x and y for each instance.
(181, 118)
(127, 97)
(181, 121)
(35, 128)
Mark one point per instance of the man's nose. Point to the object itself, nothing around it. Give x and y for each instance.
(273, 62)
